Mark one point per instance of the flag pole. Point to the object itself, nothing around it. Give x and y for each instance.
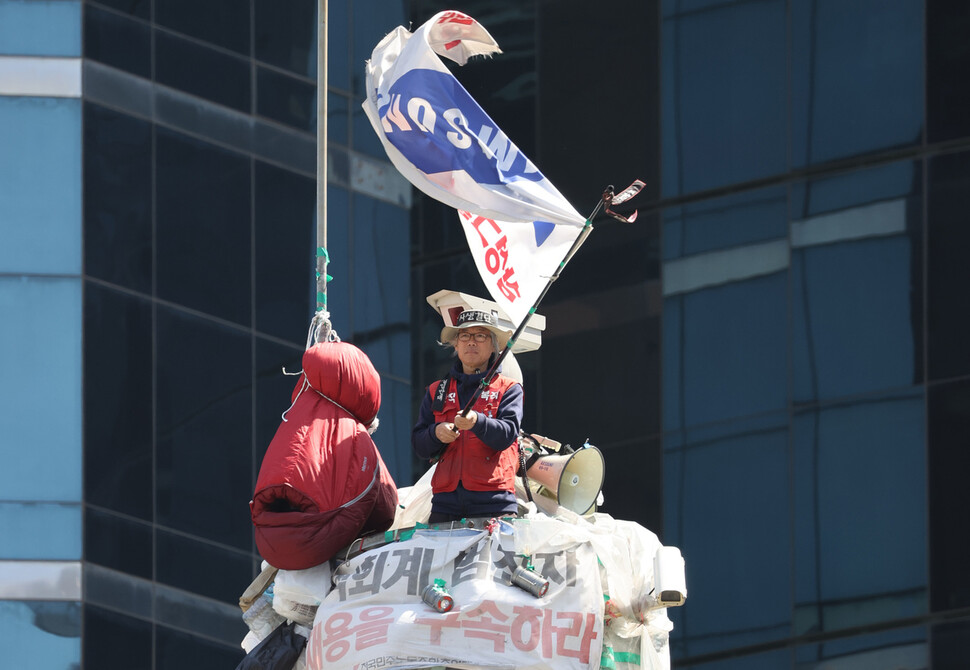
(605, 199)
(320, 326)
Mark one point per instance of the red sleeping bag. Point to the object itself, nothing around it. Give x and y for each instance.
(322, 482)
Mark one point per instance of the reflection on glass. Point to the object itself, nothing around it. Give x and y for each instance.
(854, 324)
(857, 77)
(204, 400)
(285, 258)
(117, 41)
(202, 71)
(109, 636)
(118, 401)
(726, 502)
(904, 649)
(118, 198)
(860, 490)
(40, 635)
(718, 223)
(723, 95)
(727, 351)
(286, 34)
(203, 242)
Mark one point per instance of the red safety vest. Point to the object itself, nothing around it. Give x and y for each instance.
(469, 460)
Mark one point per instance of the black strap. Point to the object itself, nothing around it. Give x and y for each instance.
(438, 402)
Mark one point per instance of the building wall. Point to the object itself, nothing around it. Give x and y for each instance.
(157, 254)
(811, 390)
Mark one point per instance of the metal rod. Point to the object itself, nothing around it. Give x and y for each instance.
(321, 251)
(584, 233)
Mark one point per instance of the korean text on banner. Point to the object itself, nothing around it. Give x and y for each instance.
(439, 138)
(516, 260)
(375, 617)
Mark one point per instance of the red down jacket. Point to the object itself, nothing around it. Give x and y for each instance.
(322, 482)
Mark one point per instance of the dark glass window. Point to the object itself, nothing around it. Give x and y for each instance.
(203, 227)
(286, 35)
(118, 401)
(633, 487)
(726, 506)
(204, 401)
(855, 326)
(718, 223)
(860, 486)
(286, 99)
(723, 350)
(224, 23)
(724, 95)
(117, 41)
(201, 567)
(903, 648)
(393, 437)
(118, 198)
(623, 372)
(202, 71)
(111, 639)
(338, 46)
(118, 543)
(285, 252)
(338, 118)
(950, 645)
(176, 650)
(273, 390)
(381, 289)
(137, 8)
(947, 70)
(949, 496)
(948, 275)
(857, 77)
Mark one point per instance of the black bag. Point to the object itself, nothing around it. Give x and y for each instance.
(277, 651)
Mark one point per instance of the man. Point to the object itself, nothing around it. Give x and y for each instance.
(478, 454)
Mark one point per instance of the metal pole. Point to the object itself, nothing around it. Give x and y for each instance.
(322, 257)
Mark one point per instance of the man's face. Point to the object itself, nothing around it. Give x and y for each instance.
(472, 353)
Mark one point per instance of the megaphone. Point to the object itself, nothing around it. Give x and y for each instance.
(575, 479)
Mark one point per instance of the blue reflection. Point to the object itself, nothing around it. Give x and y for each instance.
(40, 156)
(382, 284)
(40, 383)
(393, 437)
(885, 182)
(860, 500)
(40, 530)
(903, 649)
(857, 77)
(40, 634)
(853, 320)
(39, 28)
(729, 351)
(724, 100)
(730, 500)
(718, 223)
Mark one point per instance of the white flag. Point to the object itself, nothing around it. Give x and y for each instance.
(516, 260)
(439, 138)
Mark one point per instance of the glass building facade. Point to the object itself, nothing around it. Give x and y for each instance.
(157, 256)
(772, 359)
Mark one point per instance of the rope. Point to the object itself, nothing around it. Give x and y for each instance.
(321, 330)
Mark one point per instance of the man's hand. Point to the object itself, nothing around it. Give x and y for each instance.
(466, 422)
(446, 432)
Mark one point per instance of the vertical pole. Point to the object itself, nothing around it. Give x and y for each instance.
(322, 258)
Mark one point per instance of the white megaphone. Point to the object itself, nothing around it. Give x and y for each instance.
(574, 479)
